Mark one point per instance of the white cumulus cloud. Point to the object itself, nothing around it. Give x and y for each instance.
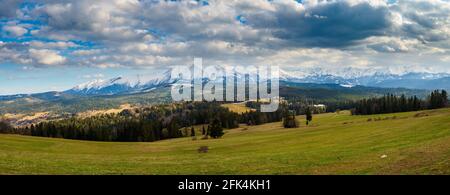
(15, 31)
(46, 57)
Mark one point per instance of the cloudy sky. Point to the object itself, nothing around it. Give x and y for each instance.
(56, 44)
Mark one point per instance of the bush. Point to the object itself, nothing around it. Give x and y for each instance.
(290, 122)
(203, 149)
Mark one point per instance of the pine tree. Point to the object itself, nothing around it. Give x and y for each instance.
(5, 127)
(174, 128)
(203, 130)
(444, 96)
(192, 131)
(308, 115)
(215, 129)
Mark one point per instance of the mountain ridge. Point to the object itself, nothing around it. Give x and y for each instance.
(122, 85)
(410, 80)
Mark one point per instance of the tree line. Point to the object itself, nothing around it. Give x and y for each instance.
(147, 124)
(391, 104)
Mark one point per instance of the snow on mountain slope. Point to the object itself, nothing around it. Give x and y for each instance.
(122, 85)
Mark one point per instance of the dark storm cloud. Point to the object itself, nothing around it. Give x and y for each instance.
(8, 8)
(335, 24)
(425, 20)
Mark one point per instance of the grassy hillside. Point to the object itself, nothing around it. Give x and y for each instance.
(401, 143)
(238, 107)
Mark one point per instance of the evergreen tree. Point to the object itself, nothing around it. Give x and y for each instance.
(215, 129)
(174, 128)
(444, 97)
(5, 127)
(308, 115)
(192, 131)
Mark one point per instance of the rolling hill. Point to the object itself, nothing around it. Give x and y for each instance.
(335, 143)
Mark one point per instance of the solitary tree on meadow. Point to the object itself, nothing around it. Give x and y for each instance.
(308, 114)
(192, 132)
(215, 129)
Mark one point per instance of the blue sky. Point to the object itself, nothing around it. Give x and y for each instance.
(50, 45)
(16, 80)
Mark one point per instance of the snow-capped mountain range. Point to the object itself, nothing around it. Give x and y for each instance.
(347, 77)
(386, 79)
(413, 80)
(123, 85)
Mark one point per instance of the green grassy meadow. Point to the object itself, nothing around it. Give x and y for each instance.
(335, 143)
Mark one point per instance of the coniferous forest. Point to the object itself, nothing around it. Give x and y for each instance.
(392, 104)
(146, 124)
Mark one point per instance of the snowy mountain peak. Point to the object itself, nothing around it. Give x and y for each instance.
(122, 85)
(97, 84)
